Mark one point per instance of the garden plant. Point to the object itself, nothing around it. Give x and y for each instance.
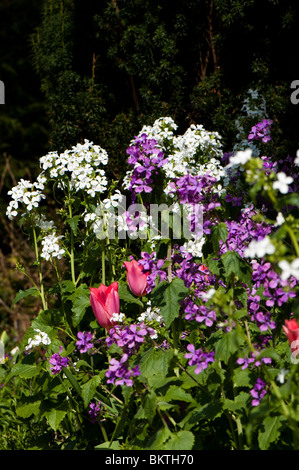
(168, 316)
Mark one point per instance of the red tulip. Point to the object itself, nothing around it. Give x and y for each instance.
(292, 331)
(137, 280)
(105, 301)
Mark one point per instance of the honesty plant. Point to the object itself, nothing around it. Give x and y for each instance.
(159, 339)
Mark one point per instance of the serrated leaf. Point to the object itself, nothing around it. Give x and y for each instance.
(175, 393)
(239, 402)
(81, 301)
(183, 440)
(26, 371)
(114, 445)
(126, 296)
(269, 432)
(55, 416)
(154, 363)
(89, 389)
(73, 223)
(148, 408)
(167, 297)
(25, 293)
(237, 266)
(158, 439)
(208, 411)
(218, 232)
(228, 345)
(28, 407)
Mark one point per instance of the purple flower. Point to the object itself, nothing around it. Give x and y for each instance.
(146, 158)
(84, 341)
(246, 361)
(199, 358)
(258, 392)
(153, 267)
(58, 362)
(94, 411)
(119, 372)
(261, 131)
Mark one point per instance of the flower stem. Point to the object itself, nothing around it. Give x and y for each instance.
(72, 253)
(103, 263)
(41, 291)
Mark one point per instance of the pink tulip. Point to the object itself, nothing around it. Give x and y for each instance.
(292, 332)
(105, 301)
(137, 280)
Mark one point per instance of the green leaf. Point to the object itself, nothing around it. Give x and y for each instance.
(238, 403)
(148, 408)
(125, 295)
(154, 364)
(81, 301)
(167, 296)
(237, 266)
(175, 393)
(55, 416)
(208, 411)
(89, 389)
(26, 369)
(228, 345)
(158, 439)
(218, 232)
(270, 431)
(183, 440)
(28, 407)
(25, 293)
(73, 222)
(72, 380)
(114, 445)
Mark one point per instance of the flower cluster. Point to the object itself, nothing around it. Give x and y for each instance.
(51, 247)
(58, 362)
(82, 165)
(261, 131)
(119, 373)
(129, 338)
(258, 392)
(84, 341)
(41, 338)
(25, 196)
(199, 358)
(146, 157)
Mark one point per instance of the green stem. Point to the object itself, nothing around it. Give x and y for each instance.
(72, 252)
(41, 291)
(294, 239)
(103, 263)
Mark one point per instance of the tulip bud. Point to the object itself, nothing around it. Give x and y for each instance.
(105, 302)
(137, 280)
(291, 329)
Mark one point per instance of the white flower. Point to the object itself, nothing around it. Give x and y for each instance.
(281, 376)
(289, 269)
(241, 157)
(282, 182)
(118, 317)
(259, 248)
(194, 246)
(151, 314)
(279, 220)
(51, 248)
(209, 294)
(40, 338)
